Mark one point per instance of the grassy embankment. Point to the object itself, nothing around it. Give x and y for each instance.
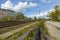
(19, 33)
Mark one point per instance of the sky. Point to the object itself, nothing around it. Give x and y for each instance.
(30, 8)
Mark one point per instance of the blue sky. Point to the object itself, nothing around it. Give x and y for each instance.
(42, 5)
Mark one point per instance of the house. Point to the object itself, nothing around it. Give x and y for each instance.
(2, 13)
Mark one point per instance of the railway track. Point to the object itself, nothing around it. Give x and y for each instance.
(6, 27)
(14, 23)
(5, 35)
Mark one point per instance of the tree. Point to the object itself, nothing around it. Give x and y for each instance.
(52, 15)
(56, 12)
(20, 17)
(35, 18)
(39, 19)
(7, 19)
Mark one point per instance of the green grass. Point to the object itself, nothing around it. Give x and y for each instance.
(57, 27)
(1, 38)
(46, 30)
(15, 35)
(31, 34)
(57, 20)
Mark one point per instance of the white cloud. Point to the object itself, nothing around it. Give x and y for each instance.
(32, 4)
(46, 13)
(51, 10)
(7, 5)
(42, 14)
(35, 15)
(20, 6)
(46, 1)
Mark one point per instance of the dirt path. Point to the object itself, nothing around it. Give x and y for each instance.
(57, 24)
(53, 31)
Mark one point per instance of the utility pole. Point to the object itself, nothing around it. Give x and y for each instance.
(27, 1)
(39, 13)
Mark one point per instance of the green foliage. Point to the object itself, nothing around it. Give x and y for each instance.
(20, 17)
(54, 15)
(35, 18)
(6, 19)
(12, 18)
(31, 34)
(1, 38)
(39, 19)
